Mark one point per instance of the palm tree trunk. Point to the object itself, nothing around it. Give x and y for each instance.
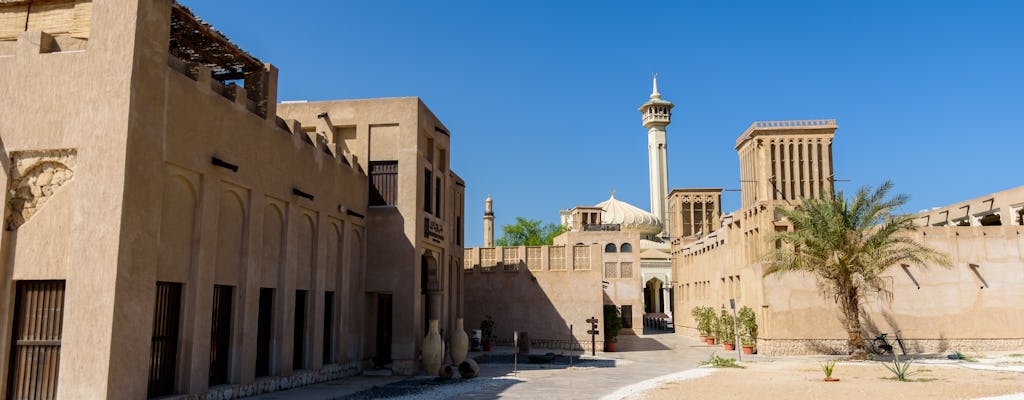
(850, 303)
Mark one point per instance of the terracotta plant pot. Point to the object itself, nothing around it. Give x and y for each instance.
(831, 379)
(609, 347)
(748, 349)
(709, 340)
(487, 344)
(703, 338)
(729, 346)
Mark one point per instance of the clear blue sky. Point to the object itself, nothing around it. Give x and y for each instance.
(541, 96)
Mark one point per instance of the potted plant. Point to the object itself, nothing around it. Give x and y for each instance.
(703, 317)
(612, 325)
(748, 329)
(486, 332)
(698, 319)
(828, 367)
(726, 330)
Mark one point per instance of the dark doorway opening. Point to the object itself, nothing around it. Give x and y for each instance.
(220, 334)
(264, 331)
(328, 328)
(299, 339)
(383, 350)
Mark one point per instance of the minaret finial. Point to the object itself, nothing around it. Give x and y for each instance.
(654, 93)
(613, 193)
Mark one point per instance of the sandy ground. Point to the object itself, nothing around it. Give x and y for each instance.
(803, 379)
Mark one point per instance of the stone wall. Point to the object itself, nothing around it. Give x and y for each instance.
(277, 383)
(789, 347)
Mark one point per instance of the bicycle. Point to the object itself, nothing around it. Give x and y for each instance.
(880, 345)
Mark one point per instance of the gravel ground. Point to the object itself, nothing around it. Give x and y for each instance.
(560, 361)
(423, 388)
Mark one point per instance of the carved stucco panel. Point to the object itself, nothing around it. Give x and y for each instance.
(35, 176)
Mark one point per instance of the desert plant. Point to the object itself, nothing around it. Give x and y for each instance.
(748, 326)
(726, 327)
(827, 367)
(961, 356)
(612, 323)
(900, 370)
(718, 362)
(848, 243)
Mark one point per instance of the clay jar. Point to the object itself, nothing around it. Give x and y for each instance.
(460, 343)
(433, 350)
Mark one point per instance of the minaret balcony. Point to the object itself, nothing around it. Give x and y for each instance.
(657, 118)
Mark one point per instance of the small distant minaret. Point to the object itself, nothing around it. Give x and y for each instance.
(657, 114)
(489, 223)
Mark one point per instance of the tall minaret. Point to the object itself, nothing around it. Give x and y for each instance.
(488, 222)
(657, 114)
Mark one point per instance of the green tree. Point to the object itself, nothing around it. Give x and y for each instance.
(528, 232)
(847, 243)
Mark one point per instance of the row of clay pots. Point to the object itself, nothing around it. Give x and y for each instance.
(433, 348)
(728, 346)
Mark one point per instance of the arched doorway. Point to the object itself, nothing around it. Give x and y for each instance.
(654, 297)
(429, 288)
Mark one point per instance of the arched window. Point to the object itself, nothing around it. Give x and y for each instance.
(609, 248)
(626, 248)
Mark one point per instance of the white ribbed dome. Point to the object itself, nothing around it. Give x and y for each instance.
(629, 217)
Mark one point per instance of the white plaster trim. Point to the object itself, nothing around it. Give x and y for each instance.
(652, 383)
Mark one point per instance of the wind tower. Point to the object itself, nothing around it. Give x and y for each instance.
(488, 222)
(657, 114)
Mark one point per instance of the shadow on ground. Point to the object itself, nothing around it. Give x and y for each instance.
(432, 387)
(558, 362)
(637, 343)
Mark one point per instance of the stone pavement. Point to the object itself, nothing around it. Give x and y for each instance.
(639, 358)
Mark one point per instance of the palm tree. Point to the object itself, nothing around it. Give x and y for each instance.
(847, 243)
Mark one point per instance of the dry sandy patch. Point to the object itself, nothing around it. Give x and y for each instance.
(803, 379)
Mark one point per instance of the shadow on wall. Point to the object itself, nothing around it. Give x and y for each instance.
(388, 312)
(542, 303)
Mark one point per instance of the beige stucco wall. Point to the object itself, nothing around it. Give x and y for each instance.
(404, 130)
(933, 308)
(145, 204)
(526, 289)
(54, 109)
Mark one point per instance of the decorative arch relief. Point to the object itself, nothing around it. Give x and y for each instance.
(35, 176)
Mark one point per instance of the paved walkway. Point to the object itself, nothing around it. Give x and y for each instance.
(639, 358)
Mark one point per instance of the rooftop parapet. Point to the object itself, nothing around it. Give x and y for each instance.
(197, 43)
(791, 125)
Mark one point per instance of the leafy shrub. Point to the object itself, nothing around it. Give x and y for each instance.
(725, 327)
(704, 317)
(748, 326)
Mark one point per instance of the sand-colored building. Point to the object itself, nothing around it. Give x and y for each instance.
(550, 291)
(168, 233)
(414, 218)
(967, 307)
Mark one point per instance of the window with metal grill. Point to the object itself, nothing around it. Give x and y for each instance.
(383, 183)
(35, 351)
(164, 347)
